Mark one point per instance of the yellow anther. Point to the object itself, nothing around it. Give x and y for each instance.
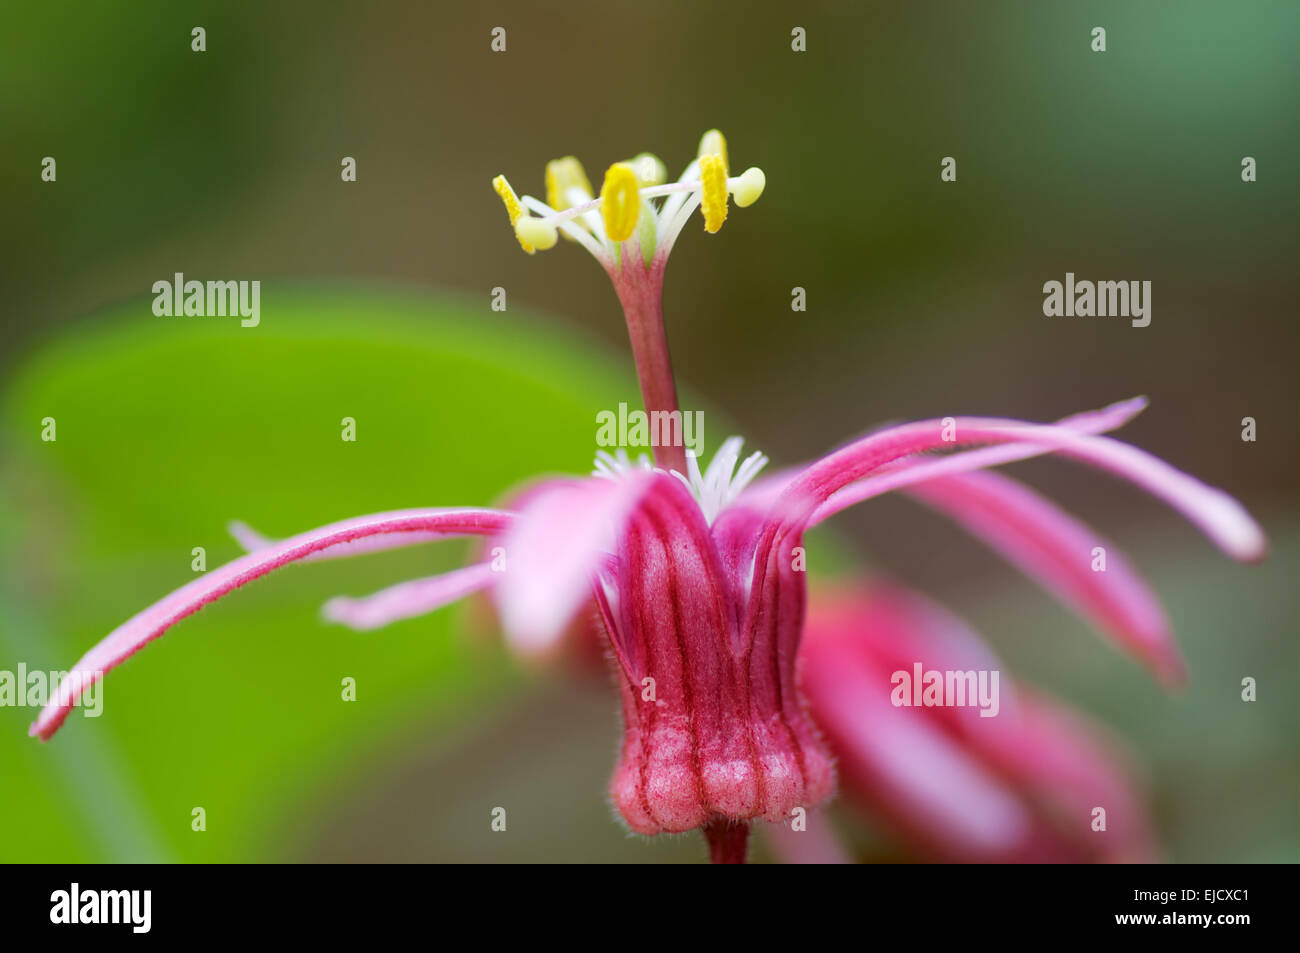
(649, 169)
(749, 187)
(561, 176)
(713, 143)
(620, 201)
(513, 208)
(713, 183)
(536, 232)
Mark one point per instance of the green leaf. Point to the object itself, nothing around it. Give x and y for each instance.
(167, 428)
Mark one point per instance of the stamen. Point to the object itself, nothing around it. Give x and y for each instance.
(713, 143)
(713, 182)
(650, 170)
(562, 177)
(690, 179)
(748, 187)
(589, 219)
(620, 202)
(513, 208)
(537, 232)
(625, 211)
(572, 230)
(672, 188)
(668, 233)
(566, 184)
(570, 213)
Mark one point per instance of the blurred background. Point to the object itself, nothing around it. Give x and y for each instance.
(923, 299)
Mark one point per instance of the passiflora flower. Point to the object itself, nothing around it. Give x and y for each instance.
(698, 575)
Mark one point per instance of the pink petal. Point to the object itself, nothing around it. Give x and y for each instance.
(918, 766)
(735, 533)
(562, 537)
(252, 541)
(897, 628)
(408, 599)
(1217, 514)
(132, 635)
(723, 733)
(771, 627)
(1042, 540)
(765, 490)
(908, 472)
(1055, 549)
(1054, 754)
(900, 760)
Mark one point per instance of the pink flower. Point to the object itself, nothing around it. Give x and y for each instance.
(714, 733)
(698, 576)
(1024, 785)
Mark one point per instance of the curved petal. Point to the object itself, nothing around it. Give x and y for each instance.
(253, 542)
(408, 599)
(1017, 786)
(1216, 513)
(765, 491)
(902, 761)
(1058, 757)
(562, 537)
(136, 632)
(898, 628)
(1052, 547)
(904, 473)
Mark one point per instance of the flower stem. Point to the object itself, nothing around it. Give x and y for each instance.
(728, 841)
(640, 291)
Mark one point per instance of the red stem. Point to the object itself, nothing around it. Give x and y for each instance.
(640, 291)
(728, 841)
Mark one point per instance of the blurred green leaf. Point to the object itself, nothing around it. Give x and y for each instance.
(167, 429)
